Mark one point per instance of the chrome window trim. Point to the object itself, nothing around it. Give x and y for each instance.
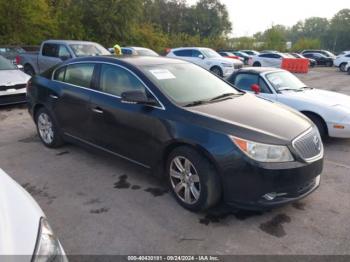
(312, 159)
(162, 107)
(108, 151)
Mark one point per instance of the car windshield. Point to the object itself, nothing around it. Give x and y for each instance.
(285, 81)
(6, 64)
(176, 82)
(146, 52)
(88, 50)
(210, 53)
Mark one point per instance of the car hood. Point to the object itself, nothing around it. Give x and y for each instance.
(13, 77)
(254, 118)
(225, 60)
(19, 218)
(320, 97)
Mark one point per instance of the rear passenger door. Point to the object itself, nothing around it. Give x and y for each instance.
(71, 98)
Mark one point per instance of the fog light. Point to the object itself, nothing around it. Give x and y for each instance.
(270, 196)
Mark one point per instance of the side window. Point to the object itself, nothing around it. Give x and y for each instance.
(196, 53)
(186, 53)
(276, 56)
(59, 74)
(263, 86)
(115, 80)
(266, 55)
(126, 51)
(244, 81)
(50, 50)
(79, 74)
(63, 51)
(347, 55)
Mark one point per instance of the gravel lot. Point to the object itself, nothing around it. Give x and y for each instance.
(98, 204)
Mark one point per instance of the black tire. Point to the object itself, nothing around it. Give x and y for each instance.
(257, 64)
(342, 67)
(217, 71)
(329, 64)
(28, 69)
(57, 140)
(320, 124)
(349, 71)
(210, 189)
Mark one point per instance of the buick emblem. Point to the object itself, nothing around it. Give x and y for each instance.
(317, 143)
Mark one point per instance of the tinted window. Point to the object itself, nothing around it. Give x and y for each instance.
(126, 51)
(63, 51)
(244, 81)
(79, 74)
(347, 55)
(116, 80)
(196, 53)
(266, 55)
(263, 86)
(59, 74)
(187, 53)
(50, 50)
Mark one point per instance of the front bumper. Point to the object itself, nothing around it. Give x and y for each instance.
(248, 186)
(13, 96)
(340, 130)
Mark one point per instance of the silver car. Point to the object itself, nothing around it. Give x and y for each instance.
(12, 83)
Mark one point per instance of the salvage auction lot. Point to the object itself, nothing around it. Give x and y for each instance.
(99, 204)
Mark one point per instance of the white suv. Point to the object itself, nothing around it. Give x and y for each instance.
(208, 59)
(341, 60)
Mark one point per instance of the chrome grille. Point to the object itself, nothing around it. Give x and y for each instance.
(4, 88)
(309, 145)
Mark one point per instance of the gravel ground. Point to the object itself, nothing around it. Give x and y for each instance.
(98, 204)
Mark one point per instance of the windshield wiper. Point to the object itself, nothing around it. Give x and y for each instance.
(224, 96)
(307, 87)
(290, 89)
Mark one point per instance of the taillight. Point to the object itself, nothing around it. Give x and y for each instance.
(18, 60)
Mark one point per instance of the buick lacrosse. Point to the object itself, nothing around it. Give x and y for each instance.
(211, 141)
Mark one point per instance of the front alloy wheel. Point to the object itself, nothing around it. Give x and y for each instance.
(192, 178)
(185, 180)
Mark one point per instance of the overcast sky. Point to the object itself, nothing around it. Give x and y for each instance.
(251, 16)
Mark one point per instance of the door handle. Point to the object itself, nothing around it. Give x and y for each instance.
(53, 96)
(97, 110)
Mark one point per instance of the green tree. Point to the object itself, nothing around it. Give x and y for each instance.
(306, 43)
(340, 31)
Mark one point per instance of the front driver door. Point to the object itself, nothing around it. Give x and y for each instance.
(123, 128)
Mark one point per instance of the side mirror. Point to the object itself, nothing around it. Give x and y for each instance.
(201, 56)
(255, 88)
(64, 58)
(137, 97)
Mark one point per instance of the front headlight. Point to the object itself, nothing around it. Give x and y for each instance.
(226, 65)
(263, 152)
(48, 247)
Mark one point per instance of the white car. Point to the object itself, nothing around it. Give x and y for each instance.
(24, 227)
(268, 60)
(341, 61)
(208, 59)
(12, 83)
(347, 68)
(330, 111)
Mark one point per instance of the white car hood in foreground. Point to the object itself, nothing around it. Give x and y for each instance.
(13, 77)
(318, 96)
(19, 218)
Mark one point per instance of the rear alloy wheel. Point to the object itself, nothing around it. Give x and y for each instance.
(193, 180)
(342, 67)
(257, 64)
(217, 71)
(47, 129)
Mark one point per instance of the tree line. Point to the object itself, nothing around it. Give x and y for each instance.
(158, 24)
(153, 23)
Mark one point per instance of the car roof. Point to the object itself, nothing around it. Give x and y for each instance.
(68, 42)
(132, 60)
(259, 70)
(186, 48)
